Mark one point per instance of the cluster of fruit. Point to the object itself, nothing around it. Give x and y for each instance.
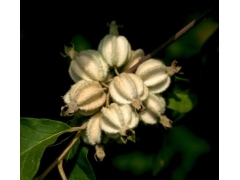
(115, 100)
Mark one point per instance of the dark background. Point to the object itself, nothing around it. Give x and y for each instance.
(46, 27)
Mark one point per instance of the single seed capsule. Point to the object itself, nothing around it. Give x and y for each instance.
(88, 65)
(128, 88)
(85, 97)
(115, 50)
(154, 111)
(154, 75)
(92, 134)
(119, 120)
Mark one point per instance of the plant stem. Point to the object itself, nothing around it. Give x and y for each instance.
(170, 40)
(104, 84)
(66, 150)
(116, 71)
(61, 171)
(107, 99)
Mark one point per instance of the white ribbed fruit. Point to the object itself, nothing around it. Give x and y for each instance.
(115, 50)
(117, 119)
(155, 107)
(88, 65)
(128, 88)
(154, 75)
(86, 97)
(92, 134)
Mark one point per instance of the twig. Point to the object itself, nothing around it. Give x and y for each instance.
(61, 171)
(66, 150)
(104, 84)
(170, 40)
(107, 99)
(105, 88)
(116, 71)
(109, 80)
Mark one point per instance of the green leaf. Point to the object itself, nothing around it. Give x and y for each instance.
(181, 102)
(192, 42)
(35, 136)
(80, 166)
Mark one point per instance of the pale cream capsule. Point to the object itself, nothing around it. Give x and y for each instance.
(155, 107)
(115, 50)
(128, 88)
(85, 97)
(119, 120)
(154, 75)
(92, 134)
(88, 65)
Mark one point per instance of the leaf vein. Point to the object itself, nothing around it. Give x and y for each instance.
(43, 141)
